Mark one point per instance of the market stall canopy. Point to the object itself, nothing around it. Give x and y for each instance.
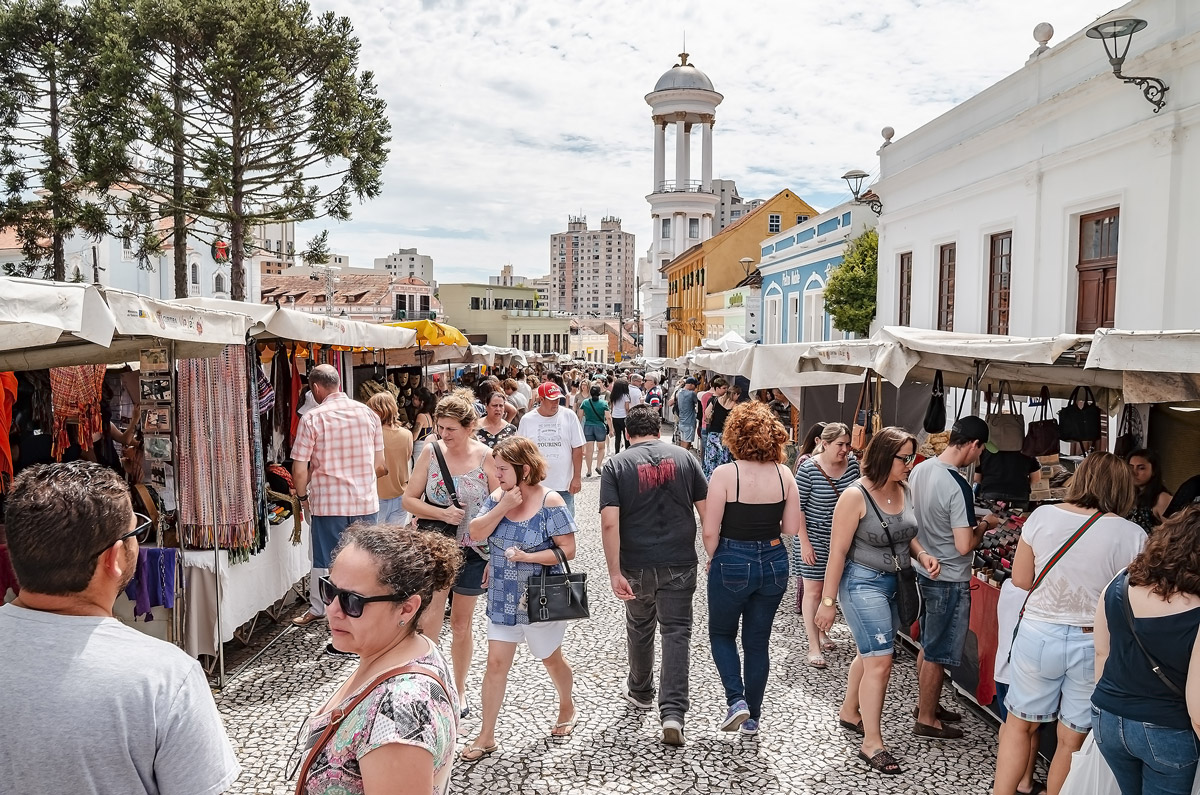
(794, 364)
(431, 332)
(290, 324)
(138, 322)
(1156, 366)
(729, 341)
(35, 313)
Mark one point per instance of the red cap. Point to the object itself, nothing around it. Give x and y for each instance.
(549, 391)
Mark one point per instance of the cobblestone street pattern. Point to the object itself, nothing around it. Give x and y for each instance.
(615, 748)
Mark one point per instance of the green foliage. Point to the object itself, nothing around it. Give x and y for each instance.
(850, 290)
(317, 250)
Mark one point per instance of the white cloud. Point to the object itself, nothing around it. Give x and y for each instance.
(509, 116)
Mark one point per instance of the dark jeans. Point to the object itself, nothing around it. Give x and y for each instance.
(662, 600)
(745, 583)
(619, 434)
(1145, 758)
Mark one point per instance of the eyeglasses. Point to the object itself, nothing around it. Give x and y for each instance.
(352, 603)
(907, 459)
(141, 532)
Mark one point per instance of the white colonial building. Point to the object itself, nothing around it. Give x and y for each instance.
(1057, 200)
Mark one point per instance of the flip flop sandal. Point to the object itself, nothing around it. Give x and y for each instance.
(882, 761)
(857, 728)
(828, 645)
(569, 725)
(817, 661)
(473, 753)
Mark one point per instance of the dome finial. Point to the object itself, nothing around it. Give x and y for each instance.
(683, 56)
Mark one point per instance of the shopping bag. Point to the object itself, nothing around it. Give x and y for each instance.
(1089, 773)
(935, 414)
(1006, 431)
(1042, 436)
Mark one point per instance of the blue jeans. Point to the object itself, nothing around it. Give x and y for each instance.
(745, 583)
(868, 598)
(1146, 758)
(569, 499)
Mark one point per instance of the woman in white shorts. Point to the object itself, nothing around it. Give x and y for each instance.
(521, 521)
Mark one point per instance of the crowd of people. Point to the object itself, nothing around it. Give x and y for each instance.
(411, 525)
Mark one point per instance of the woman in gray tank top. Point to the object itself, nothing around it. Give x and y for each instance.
(862, 574)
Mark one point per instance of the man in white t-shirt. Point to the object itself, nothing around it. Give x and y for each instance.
(559, 437)
(636, 396)
(91, 705)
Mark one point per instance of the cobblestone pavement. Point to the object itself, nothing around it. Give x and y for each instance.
(616, 749)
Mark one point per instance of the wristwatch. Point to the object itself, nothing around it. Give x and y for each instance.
(303, 498)
(827, 601)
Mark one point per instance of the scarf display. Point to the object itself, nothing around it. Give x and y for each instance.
(212, 399)
(76, 393)
(253, 374)
(8, 398)
(281, 413)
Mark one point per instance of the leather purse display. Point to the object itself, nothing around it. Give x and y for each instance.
(1128, 432)
(557, 597)
(867, 419)
(1042, 436)
(935, 415)
(1006, 431)
(1079, 423)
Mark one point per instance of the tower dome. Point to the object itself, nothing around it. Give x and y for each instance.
(684, 75)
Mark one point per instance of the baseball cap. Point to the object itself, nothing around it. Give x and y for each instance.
(549, 391)
(974, 429)
(691, 381)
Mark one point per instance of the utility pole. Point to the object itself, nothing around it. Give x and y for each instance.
(328, 274)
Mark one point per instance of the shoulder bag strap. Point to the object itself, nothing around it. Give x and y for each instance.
(862, 395)
(1154, 664)
(447, 478)
(1055, 558)
(1044, 413)
(1012, 404)
(339, 714)
(882, 523)
(939, 388)
(829, 480)
(968, 387)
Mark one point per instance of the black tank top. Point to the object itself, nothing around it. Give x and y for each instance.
(752, 521)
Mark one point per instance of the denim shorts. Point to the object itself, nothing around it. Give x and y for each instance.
(1053, 673)
(945, 617)
(594, 433)
(470, 576)
(868, 599)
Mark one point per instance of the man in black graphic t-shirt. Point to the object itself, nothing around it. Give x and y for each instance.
(649, 495)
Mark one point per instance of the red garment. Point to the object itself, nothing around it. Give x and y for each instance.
(8, 397)
(985, 625)
(75, 394)
(295, 401)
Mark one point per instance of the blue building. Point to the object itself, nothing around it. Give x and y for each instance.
(795, 265)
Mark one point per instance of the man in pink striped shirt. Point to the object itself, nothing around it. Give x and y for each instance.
(336, 458)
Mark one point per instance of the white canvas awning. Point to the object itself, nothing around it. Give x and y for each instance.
(272, 321)
(1156, 366)
(35, 313)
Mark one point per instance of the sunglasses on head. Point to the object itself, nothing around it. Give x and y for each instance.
(352, 603)
(140, 531)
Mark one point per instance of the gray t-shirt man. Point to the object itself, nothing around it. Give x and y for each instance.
(941, 506)
(93, 707)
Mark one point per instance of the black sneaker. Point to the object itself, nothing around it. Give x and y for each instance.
(332, 652)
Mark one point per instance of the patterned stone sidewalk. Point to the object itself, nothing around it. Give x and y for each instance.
(616, 749)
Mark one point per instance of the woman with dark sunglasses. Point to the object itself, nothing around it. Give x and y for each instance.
(382, 579)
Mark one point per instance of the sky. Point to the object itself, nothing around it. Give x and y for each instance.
(507, 117)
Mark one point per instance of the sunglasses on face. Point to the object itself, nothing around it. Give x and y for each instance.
(352, 603)
(907, 459)
(140, 531)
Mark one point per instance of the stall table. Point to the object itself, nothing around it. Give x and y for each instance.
(246, 588)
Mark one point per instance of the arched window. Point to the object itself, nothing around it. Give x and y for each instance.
(195, 273)
(218, 283)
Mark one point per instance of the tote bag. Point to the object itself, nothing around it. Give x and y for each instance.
(1042, 436)
(1006, 431)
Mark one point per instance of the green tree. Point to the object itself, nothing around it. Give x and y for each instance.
(317, 250)
(850, 290)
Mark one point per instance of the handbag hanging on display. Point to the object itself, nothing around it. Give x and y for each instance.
(867, 419)
(1079, 423)
(1042, 436)
(557, 597)
(437, 525)
(1129, 435)
(1006, 431)
(935, 415)
(908, 604)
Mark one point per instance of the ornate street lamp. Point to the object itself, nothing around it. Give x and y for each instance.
(1117, 35)
(855, 179)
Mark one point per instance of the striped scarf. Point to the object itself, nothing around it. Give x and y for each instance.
(76, 393)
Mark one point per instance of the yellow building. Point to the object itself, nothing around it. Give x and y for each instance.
(715, 266)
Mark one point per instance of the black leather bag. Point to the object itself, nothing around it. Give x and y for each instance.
(437, 525)
(1079, 423)
(935, 415)
(908, 604)
(1128, 432)
(557, 597)
(1042, 436)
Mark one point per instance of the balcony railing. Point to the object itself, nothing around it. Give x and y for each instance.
(404, 314)
(675, 186)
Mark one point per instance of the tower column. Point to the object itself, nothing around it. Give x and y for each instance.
(706, 134)
(706, 226)
(687, 154)
(679, 232)
(681, 152)
(660, 152)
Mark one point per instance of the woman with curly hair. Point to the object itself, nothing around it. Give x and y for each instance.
(1143, 723)
(747, 559)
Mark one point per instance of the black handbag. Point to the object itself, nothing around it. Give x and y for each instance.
(557, 597)
(1042, 436)
(1128, 432)
(908, 604)
(935, 415)
(1079, 423)
(437, 525)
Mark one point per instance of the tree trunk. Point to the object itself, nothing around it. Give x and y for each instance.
(179, 235)
(237, 225)
(54, 176)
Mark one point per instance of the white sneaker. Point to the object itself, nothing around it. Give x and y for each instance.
(637, 702)
(672, 732)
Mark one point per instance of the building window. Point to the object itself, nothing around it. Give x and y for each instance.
(475, 303)
(946, 257)
(524, 342)
(999, 282)
(905, 314)
(801, 219)
(814, 315)
(774, 223)
(793, 317)
(773, 308)
(218, 283)
(1097, 271)
(666, 229)
(195, 274)
(694, 227)
(735, 214)
(514, 341)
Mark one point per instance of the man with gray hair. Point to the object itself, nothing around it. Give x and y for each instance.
(336, 458)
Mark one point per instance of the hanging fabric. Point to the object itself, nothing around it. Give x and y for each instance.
(213, 400)
(258, 464)
(76, 393)
(8, 398)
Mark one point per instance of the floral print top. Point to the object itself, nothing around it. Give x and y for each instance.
(506, 588)
(410, 709)
(471, 487)
(491, 440)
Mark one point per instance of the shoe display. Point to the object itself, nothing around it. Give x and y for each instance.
(737, 714)
(672, 732)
